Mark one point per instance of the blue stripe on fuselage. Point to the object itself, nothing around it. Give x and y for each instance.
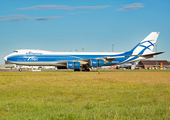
(54, 58)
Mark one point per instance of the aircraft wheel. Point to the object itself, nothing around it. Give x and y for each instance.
(20, 70)
(76, 69)
(87, 70)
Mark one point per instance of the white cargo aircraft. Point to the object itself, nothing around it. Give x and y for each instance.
(84, 60)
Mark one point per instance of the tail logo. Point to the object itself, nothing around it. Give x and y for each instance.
(147, 47)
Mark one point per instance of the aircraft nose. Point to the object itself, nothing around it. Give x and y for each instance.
(5, 58)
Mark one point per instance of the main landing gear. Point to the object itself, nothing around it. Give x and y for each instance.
(20, 69)
(76, 69)
(84, 68)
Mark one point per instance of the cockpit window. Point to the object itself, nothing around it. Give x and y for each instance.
(15, 51)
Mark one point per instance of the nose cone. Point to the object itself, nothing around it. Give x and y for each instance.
(5, 58)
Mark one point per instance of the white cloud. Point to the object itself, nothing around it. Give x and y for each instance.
(18, 18)
(73, 13)
(13, 18)
(92, 7)
(87, 32)
(132, 7)
(80, 12)
(83, 12)
(63, 7)
(47, 18)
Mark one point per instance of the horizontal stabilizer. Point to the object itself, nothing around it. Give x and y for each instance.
(151, 55)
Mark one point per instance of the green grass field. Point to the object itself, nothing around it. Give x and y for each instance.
(85, 96)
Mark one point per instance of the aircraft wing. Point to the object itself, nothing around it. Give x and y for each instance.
(86, 61)
(107, 59)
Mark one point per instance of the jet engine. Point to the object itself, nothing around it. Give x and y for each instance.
(73, 65)
(96, 62)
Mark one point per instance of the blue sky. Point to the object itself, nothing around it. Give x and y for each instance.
(66, 25)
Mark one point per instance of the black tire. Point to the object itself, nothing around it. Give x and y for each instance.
(86, 68)
(20, 70)
(76, 69)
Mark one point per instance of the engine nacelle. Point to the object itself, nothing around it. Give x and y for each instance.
(76, 65)
(100, 62)
(70, 65)
(96, 62)
(73, 65)
(93, 62)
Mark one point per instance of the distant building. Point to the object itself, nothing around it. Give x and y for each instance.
(152, 64)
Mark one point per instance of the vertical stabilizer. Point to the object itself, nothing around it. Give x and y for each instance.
(145, 46)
